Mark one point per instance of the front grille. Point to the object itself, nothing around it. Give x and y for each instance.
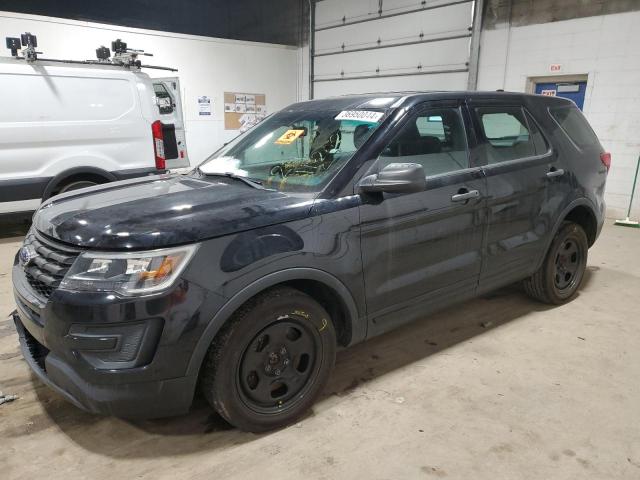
(45, 271)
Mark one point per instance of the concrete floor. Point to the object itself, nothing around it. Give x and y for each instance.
(497, 388)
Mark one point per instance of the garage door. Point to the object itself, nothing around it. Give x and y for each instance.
(391, 45)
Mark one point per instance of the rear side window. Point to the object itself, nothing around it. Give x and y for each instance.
(541, 144)
(507, 133)
(572, 121)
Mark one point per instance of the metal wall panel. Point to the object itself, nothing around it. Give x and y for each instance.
(448, 81)
(373, 45)
(396, 60)
(454, 20)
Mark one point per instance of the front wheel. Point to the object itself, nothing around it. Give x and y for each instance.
(267, 366)
(558, 279)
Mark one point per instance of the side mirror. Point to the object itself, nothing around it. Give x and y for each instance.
(395, 178)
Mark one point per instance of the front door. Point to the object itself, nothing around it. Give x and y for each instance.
(422, 251)
(519, 166)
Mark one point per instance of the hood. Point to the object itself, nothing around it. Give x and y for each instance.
(164, 210)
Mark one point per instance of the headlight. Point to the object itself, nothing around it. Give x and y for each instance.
(135, 273)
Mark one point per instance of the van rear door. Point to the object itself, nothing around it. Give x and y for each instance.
(169, 104)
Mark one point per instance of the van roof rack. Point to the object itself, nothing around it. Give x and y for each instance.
(122, 55)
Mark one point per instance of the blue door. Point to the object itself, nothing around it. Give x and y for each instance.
(572, 90)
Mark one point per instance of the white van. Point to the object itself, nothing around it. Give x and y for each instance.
(66, 126)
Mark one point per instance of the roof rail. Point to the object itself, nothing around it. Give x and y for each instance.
(122, 57)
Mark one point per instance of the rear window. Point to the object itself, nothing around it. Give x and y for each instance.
(575, 126)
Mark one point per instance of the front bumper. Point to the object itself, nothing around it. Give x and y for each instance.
(152, 399)
(89, 349)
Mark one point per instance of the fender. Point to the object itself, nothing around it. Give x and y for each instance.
(578, 202)
(358, 325)
(62, 176)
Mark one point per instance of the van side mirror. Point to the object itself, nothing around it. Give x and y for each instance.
(395, 178)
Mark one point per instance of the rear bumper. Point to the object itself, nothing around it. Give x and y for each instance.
(137, 172)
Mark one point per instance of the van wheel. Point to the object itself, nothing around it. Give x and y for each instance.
(268, 365)
(559, 277)
(76, 185)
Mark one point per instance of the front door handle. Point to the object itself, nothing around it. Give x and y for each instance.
(465, 195)
(555, 173)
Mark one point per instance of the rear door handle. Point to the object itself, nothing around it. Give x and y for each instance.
(463, 196)
(555, 173)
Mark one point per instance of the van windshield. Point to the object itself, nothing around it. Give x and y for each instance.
(296, 150)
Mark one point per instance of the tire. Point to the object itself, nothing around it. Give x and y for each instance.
(558, 279)
(270, 362)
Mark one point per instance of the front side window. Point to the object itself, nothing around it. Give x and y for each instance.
(506, 132)
(296, 150)
(434, 138)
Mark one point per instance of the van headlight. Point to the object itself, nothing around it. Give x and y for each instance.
(131, 273)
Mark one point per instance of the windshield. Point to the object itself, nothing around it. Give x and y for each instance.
(296, 151)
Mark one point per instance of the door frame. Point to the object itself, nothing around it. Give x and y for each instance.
(530, 86)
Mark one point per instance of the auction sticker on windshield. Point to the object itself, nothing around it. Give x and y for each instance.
(289, 137)
(360, 116)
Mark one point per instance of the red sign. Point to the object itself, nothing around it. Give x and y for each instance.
(555, 67)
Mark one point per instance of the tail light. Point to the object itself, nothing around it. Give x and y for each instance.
(158, 144)
(605, 158)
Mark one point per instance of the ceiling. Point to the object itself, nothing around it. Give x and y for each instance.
(282, 21)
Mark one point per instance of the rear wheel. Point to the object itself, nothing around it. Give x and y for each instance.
(268, 365)
(561, 274)
(76, 185)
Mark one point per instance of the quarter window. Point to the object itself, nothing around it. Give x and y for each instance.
(435, 139)
(575, 126)
(507, 133)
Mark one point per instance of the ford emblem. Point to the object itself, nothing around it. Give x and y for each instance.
(27, 254)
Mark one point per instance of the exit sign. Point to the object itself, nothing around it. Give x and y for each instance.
(555, 67)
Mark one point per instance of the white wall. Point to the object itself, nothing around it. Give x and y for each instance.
(206, 66)
(607, 49)
(434, 23)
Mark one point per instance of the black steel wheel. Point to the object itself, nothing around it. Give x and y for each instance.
(568, 262)
(267, 366)
(560, 276)
(279, 364)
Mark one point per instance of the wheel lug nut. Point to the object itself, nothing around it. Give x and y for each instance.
(277, 372)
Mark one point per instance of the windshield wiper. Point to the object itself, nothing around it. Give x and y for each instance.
(255, 183)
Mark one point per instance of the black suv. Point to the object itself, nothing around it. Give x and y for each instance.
(328, 223)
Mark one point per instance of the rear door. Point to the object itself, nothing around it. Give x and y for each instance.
(422, 251)
(169, 105)
(519, 166)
